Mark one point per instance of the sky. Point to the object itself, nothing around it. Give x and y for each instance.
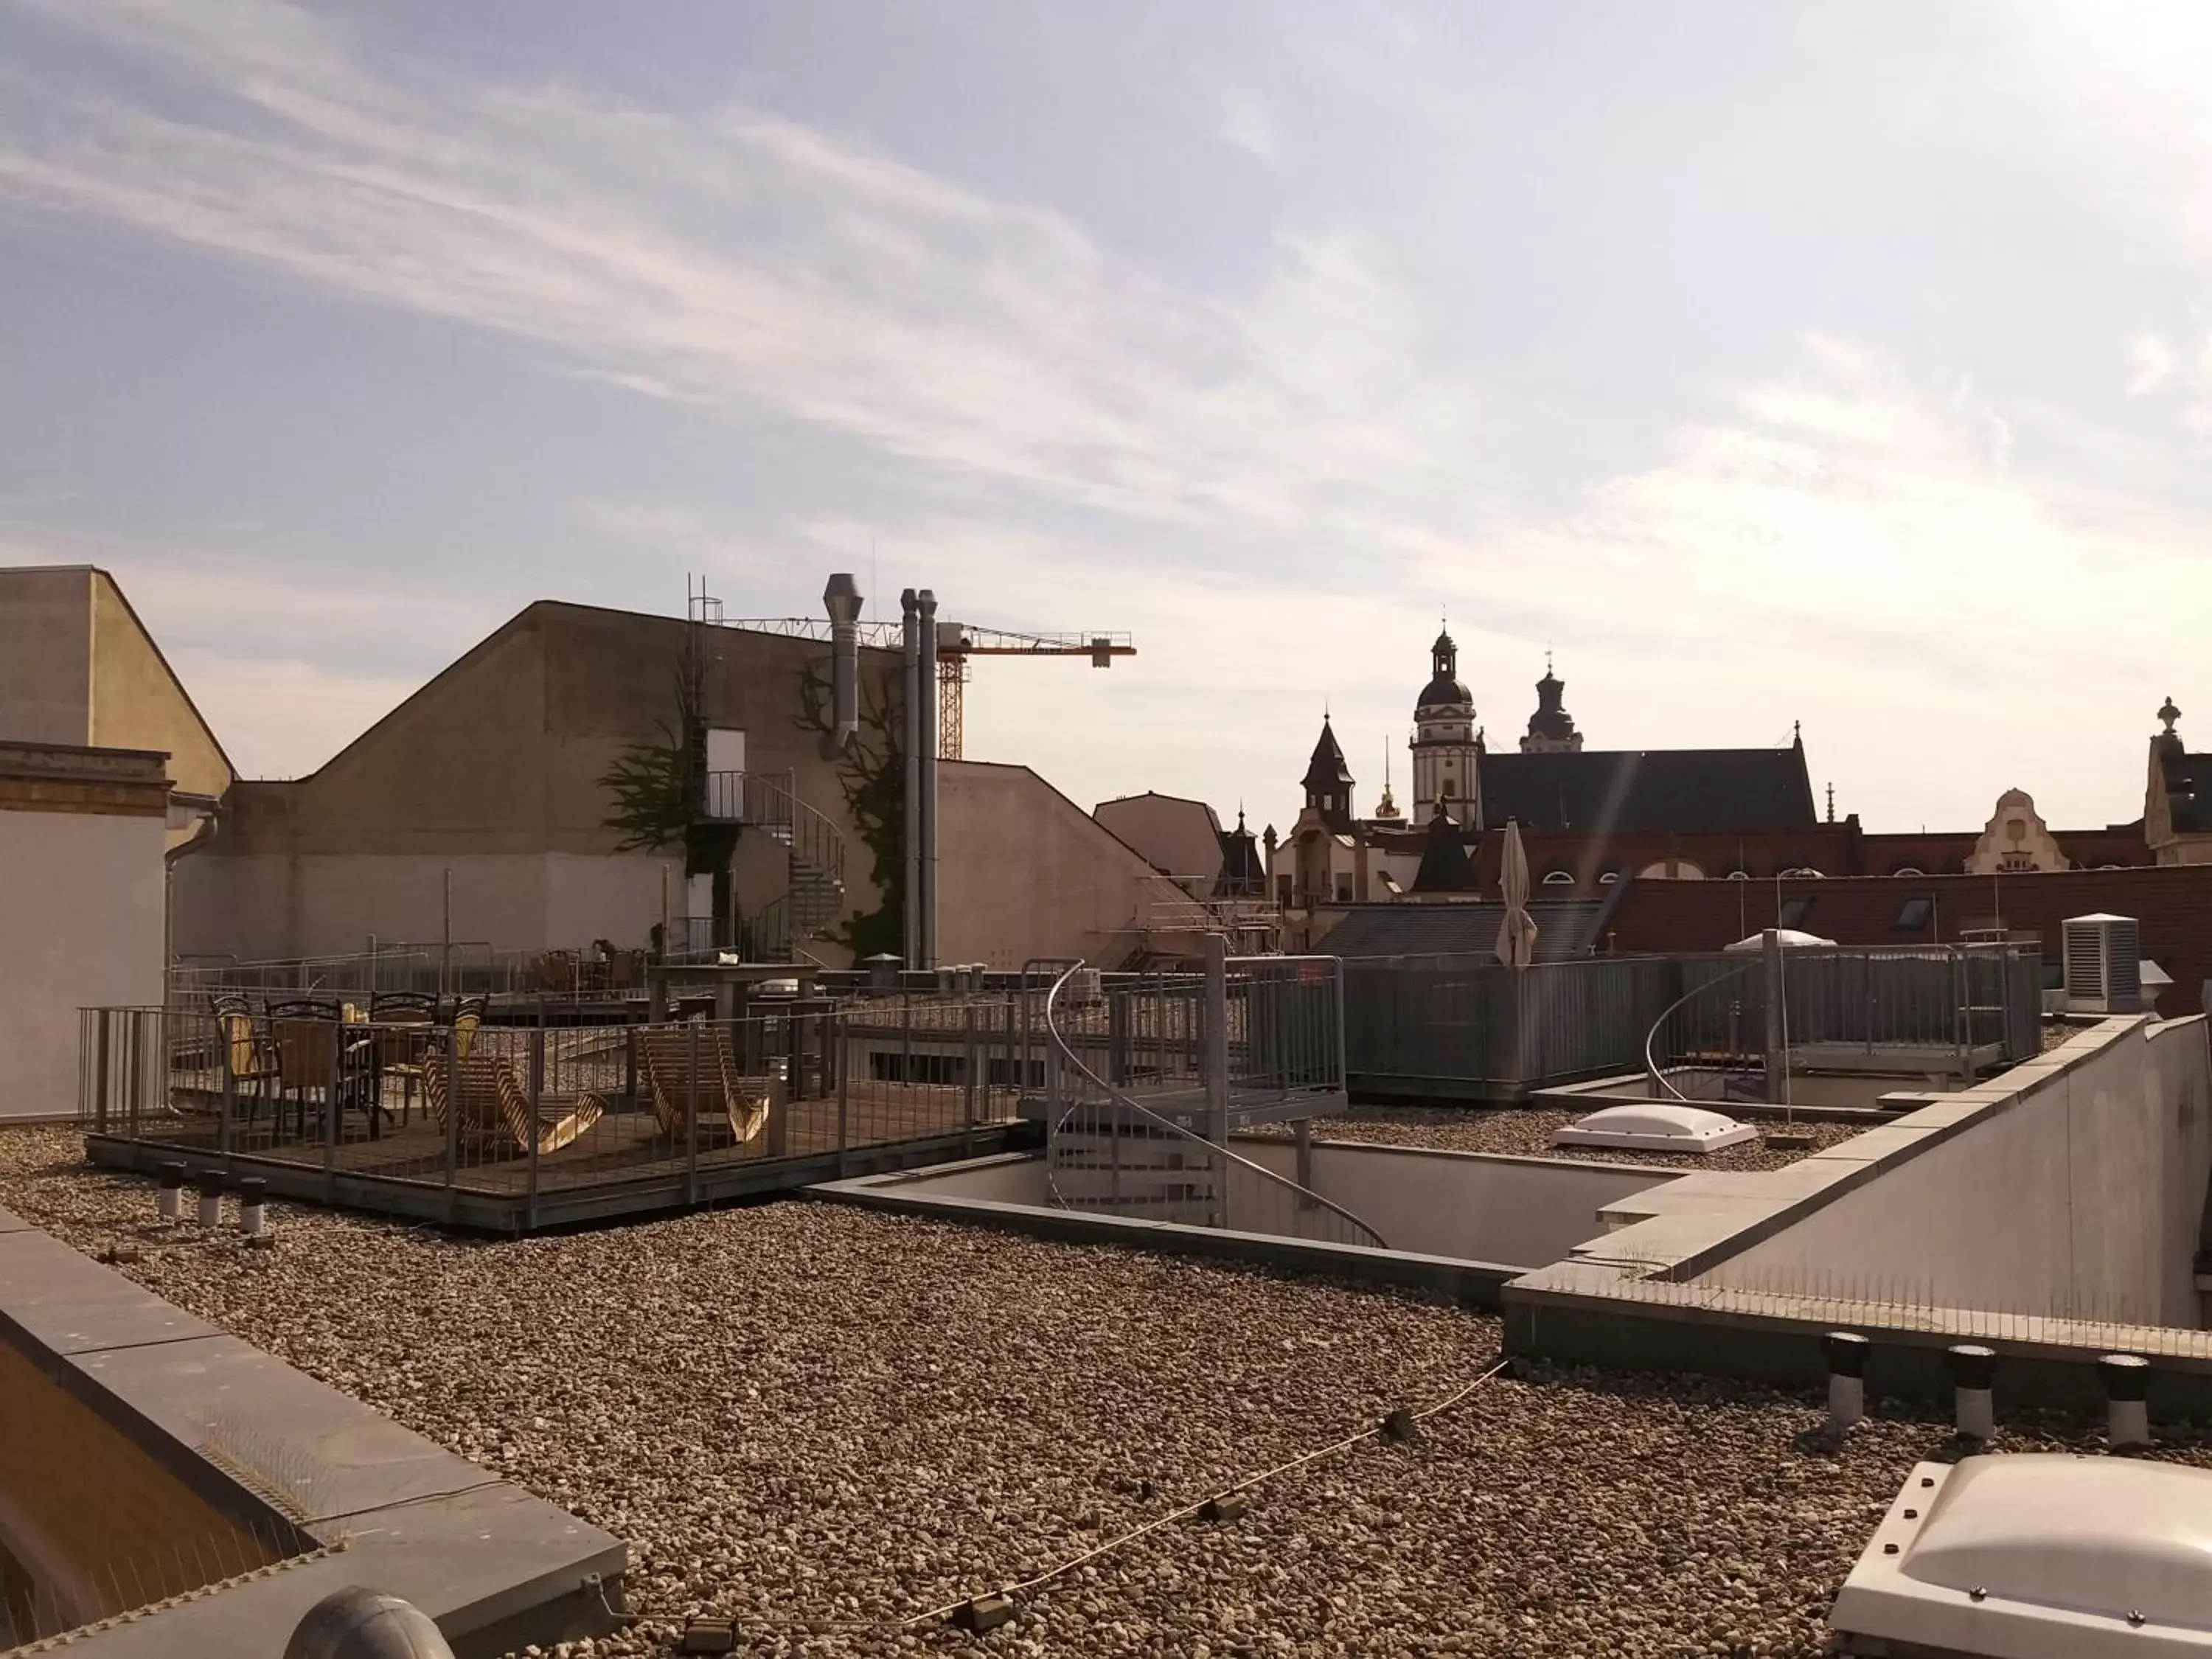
(1840, 364)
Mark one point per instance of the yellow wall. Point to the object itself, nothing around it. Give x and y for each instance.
(138, 703)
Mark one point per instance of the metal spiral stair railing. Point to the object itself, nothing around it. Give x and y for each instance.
(769, 803)
(1063, 1123)
(1660, 1083)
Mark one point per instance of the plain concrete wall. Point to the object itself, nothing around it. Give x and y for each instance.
(1177, 835)
(501, 757)
(45, 655)
(80, 898)
(2082, 1198)
(1001, 1180)
(267, 906)
(1522, 1212)
(1023, 871)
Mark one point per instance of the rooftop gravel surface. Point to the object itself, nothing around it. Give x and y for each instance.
(822, 1422)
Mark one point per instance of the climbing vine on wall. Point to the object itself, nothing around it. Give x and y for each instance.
(658, 788)
(871, 776)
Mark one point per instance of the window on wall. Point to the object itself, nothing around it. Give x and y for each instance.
(1908, 869)
(1607, 877)
(1913, 916)
(1344, 890)
(1739, 875)
(1796, 912)
(1558, 879)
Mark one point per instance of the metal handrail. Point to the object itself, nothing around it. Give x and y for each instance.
(1154, 1119)
(1650, 1064)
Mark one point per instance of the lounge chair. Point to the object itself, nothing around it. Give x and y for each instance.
(688, 1068)
(494, 1108)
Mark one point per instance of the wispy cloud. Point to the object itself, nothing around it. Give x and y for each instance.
(739, 258)
(2150, 363)
(1246, 125)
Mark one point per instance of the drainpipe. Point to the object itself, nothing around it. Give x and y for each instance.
(926, 681)
(911, 910)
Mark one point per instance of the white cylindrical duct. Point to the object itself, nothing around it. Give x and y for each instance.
(2127, 1411)
(926, 940)
(1972, 1372)
(842, 598)
(253, 1202)
(912, 829)
(169, 1196)
(211, 1199)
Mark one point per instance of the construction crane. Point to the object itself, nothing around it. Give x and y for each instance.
(956, 644)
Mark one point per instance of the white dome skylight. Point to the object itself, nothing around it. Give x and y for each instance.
(1655, 1128)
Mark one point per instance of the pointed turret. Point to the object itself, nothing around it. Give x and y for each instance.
(1327, 781)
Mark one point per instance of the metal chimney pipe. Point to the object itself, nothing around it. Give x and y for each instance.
(842, 599)
(926, 602)
(911, 639)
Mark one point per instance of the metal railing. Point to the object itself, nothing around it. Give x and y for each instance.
(460, 1102)
(1249, 1031)
(1464, 1027)
(769, 802)
(1957, 1009)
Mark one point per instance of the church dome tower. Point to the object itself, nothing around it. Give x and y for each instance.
(1551, 728)
(1447, 749)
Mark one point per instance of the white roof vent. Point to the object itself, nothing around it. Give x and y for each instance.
(2037, 1556)
(2104, 964)
(1655, 1128)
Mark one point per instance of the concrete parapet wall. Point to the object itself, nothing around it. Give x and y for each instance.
(2073, 1185)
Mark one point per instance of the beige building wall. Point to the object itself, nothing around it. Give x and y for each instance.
(77, 667)
(1178, 836)
(45, 655)
(81, 893)
(493, 769)
(1023, 871)
(138, 702)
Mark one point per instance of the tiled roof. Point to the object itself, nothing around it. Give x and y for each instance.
(1690, 791)
(1564, 929)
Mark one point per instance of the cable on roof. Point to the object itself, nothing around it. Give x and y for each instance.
(938, 1615)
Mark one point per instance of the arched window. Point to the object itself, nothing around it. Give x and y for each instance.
(1672, 869)
(1558, 877)
(1739, 875)
(1908, 869)
(1805, 873)
(1607, 877)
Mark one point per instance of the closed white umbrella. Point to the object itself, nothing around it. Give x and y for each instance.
(1516, 934)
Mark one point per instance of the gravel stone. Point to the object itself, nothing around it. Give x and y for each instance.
(818, 1422)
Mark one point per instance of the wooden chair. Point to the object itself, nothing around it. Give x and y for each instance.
(400, 1052)
(248, 1057)
(307, 1032)
(556, 973)
(688, 1069)
(493, 1108)
(468, 1015)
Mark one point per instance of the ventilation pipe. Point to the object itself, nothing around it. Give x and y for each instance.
(910, 608)
(1847, 1358)
(842, 598)
(2127, 1414)
(926, 677)
(1973, 1368)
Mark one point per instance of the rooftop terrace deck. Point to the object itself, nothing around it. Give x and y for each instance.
(822, 1422)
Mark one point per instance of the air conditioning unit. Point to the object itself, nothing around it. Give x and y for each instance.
(2104, 964)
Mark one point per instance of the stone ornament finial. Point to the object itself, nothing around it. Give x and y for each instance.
(2169, 714)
